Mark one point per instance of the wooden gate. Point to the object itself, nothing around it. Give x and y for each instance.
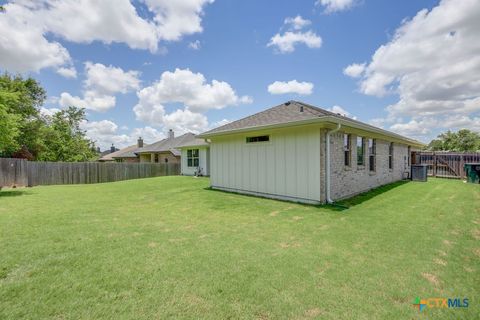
(445, 164)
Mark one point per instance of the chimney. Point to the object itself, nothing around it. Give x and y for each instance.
(171, 134)
(112, 148)
(140, 142)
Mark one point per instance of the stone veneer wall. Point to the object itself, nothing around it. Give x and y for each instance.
(349, 181)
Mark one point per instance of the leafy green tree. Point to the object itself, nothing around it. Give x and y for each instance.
(9, 130)
(64, 139)
(23, 98)
(462, 141)
(25, 131)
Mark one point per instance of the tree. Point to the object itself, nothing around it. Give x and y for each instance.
(65, 140)
(461, 141)
(9, 130)
(24, 131)
(23, 99)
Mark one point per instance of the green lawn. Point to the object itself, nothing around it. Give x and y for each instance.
(170, 248)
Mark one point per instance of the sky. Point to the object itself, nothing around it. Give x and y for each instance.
(141, 67)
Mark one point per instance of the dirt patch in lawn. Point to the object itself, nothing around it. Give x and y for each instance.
(312, 313)
(440, 262)
(476, 234)
(274, 213)
(431, 278)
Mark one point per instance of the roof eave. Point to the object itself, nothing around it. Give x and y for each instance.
(323, 119)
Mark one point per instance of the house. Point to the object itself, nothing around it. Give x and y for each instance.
(195, 157)
(123, 155)
(166, 150)
(298, 152)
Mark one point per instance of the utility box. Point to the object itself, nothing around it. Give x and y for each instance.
(472, 171)
(419, 172)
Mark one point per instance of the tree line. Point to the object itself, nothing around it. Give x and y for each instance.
(27, 133)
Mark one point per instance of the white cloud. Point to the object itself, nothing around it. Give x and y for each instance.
(341, 111)
(414, 127)
(354, 70)
(106, 132)
(285, 43)
(182, 121)
(336, 5)
(48, 111)
(190, 89)
(84, 21)
(175, 19)
(293, 86)
(110, 80)
(20, 29)
(433, 64)
(297, 23)
(69, 72)
(195, 45)
(100, 86)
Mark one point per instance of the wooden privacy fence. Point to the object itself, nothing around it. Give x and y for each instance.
(445, 164)
(20, 172)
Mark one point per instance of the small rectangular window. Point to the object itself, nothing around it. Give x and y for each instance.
(360, 151)
(347, 138)
(258, 139)
(372, 146)
(192, 158)
(390, 156)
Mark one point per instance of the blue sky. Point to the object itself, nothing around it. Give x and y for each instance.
(231, 46)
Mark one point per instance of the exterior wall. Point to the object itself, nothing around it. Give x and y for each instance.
(348, 181)
(127, 160)
(203, 158)
(144, 157)
(286, 167)
(150, 157)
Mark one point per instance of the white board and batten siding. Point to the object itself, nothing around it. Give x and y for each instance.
(204, 161)
(286, 167)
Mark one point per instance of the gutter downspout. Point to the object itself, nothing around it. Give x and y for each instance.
(327, 162)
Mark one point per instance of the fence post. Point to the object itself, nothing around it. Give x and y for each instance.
(434, 164)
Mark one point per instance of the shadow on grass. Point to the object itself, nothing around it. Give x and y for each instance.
(13, 193)
(341, 205)
(365, 196)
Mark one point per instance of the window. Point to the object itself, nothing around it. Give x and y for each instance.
(258, 139)
(192, 157)
(360, 151)
(409, 156)
(347, 138)
(390, 156)
(372, 146)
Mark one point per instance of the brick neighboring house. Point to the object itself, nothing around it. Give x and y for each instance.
(166, 150)
(124, 155)
(298, 152)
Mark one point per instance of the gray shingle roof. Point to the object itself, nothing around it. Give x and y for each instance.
(167, 144)
(122, 153)
(285, 112)
(295, 111)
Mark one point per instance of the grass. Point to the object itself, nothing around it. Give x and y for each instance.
(170, 248)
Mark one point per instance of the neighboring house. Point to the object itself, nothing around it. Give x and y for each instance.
(166, 150)
(124, 155)
(195, 157)
(302, 153)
